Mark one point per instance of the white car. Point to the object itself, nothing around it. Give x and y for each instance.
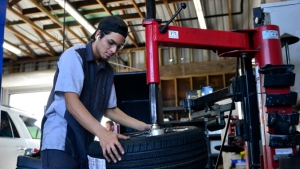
(18, 136)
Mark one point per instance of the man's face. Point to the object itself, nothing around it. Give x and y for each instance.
(109, 127)
(109, 45)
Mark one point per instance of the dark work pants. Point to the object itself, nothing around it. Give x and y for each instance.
(57, 159)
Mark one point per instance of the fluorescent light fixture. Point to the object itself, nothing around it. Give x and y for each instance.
(11, 48)
(200, 15)
(76, 15)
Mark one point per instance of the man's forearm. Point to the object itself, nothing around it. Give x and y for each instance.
(120, 117)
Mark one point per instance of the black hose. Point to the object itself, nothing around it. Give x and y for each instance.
(227, 125)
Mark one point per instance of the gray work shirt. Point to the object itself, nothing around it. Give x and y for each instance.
(70, 79)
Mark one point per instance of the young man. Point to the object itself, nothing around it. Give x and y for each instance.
(82, 93)
(109, 125)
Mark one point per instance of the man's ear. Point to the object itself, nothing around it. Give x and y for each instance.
(97, 35)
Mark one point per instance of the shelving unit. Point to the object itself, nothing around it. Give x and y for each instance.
(174, 89)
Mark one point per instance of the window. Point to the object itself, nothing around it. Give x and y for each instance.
(34, 130)
(8, 128)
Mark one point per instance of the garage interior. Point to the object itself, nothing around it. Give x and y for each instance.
(38, 31)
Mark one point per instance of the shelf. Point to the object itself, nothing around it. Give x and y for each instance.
(173, 108)
(174, 90)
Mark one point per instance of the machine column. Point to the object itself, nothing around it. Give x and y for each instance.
(275, 98)
(152, 59)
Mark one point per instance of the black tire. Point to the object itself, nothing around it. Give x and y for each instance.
(180, 147)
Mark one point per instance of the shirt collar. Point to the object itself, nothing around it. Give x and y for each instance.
(90, 55)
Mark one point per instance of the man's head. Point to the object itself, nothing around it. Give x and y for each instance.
(109, 38)
(109, 126)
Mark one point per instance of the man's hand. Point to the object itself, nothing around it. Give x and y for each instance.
(108, 142)
(145, 127)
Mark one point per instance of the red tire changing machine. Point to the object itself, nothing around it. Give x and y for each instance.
(266, 98)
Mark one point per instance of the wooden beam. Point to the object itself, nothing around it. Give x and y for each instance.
(127, 17)
(54, 19)
(13, 2)
(45, 42)
(66, 39)
(166, 2)
(177, 17)
(229, 14)
(22, 50)
(28, 21)
(44, 59)
(26, 46)
(10, 56)
(104, 7)
(209, 67)
(137, 9)
(85, 34)
(133, 37)
(57, 7)
(91, 4)
(10, 28)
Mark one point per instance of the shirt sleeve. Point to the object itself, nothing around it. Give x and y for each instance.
(112, 103)
(71, 75)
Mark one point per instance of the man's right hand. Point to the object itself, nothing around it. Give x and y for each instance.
(108, 142)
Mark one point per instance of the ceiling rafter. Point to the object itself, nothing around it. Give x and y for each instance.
(27, 47)
(30, 53)
(109, 12)
(22, 50)
(34, 26)
(103, 5)
(66, 39)
(132, 39)
(85, 34)
(54, 19)
(10, 56)
(45, 41)
(177, 17)
(13, 2)
(166, 2)
(10, 28)
(137, 9)
(57, 8)
(95, 21)
(88, 4)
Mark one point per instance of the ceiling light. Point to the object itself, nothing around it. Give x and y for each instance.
(200, 15)
(11, 48)
(76, 15)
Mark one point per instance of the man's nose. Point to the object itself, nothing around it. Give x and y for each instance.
(114, 48)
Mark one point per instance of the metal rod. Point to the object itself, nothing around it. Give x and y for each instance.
(287, 53)
(153, 91)
(151, 10)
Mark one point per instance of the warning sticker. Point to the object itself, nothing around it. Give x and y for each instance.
(283, 151)
(270, 34)
(96, 163)
(173, 34)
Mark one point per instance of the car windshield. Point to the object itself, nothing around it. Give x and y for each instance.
(34, 130)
